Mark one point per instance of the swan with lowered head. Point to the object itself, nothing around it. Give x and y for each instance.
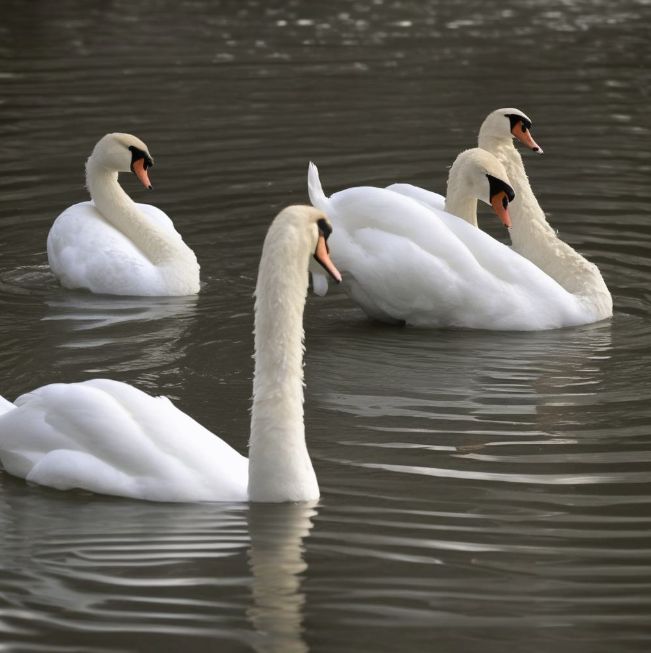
(531, 234)
(408, 263)
(114, 246)
(110, 438)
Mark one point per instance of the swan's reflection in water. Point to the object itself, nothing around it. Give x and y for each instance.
(84, 311)
(276, 562)
(184, 577)
(133, 339)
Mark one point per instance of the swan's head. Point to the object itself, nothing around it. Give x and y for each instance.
(306, 228)
(484, 177)
(124, 153)
(509, 123)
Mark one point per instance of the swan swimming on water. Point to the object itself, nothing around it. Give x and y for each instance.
(114, 246)
(579, 295)
(531, 234)
(111, 438)
(404, 262)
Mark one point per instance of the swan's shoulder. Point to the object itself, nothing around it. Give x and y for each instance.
(77, 212)
(370, 209)
(157, 216)
(425, 197)
(85, 214)
(109, 437)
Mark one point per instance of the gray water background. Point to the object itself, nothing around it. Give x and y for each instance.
(480, 491)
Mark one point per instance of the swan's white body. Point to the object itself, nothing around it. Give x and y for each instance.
(531, 234)
(426, 197)
(114, 246)
(108, 437)
(406, 262)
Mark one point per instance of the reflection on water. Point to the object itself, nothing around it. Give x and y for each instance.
(276, 562)
(85, 311)
(480, 490)
(152, 568)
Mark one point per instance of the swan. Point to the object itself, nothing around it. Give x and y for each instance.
(111, 438)
(531, 234)
(408, 263)
(114, 246)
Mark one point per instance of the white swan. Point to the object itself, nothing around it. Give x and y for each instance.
(113, 245)
(531, 234)
(406, 262)
(108, 437)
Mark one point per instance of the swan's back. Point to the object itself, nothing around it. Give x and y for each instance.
(406, 262)
(425, 197)
(86, 251)
(110, 438)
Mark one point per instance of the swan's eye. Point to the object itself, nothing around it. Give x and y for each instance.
(517, 120)
(324, 228)
(136, 154)
(497, 186)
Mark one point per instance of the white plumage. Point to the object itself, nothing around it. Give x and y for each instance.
(406, 262)
(114, 246)
(532, 236)
(108, 437)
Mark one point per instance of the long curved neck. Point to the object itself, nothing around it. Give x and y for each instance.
(458, 201)
(279, 464)
(525, 206)
(534, 238)
(120, 210)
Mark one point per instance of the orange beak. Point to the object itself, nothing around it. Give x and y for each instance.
(524, 136)
(500, 204)
(323, 258)
(139, 170)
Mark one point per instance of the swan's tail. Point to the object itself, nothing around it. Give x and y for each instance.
(314, 189)
(5, 406)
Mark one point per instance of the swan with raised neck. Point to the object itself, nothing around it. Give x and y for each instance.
(279, 464)
(531, 234)
(113, 245)
(111, 438)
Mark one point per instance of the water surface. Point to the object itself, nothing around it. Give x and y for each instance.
(479, 490)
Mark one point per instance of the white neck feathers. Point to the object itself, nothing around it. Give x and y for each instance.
(458, 201)
(279, 464)
(534, 238)
(120, 210)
